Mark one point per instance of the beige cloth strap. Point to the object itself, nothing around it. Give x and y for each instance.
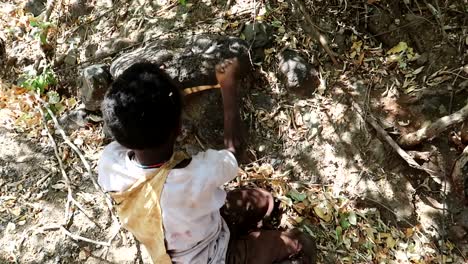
(139, 209)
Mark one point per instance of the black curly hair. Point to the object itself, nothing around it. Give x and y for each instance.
(142, 108)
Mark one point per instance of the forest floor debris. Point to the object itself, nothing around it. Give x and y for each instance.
(331, 173)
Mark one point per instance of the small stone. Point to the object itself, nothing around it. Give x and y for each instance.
(78, 8)
(297, 74)
(377, 150)
(35, 7)
(10, 227)
(105, 50)
(71, 57)
(83, 255)
(95, 81)
(462, 219)
(422, 59)
(120, 44)
(90, 50)
(457, 232)
(259, 34)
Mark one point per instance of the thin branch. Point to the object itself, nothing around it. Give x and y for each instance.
(80, 154)
(310, 27)
(75, 236)
(384, 135)
(433, 130)
(50, 7)
(70, 199)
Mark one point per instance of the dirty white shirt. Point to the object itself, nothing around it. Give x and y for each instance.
(190, 201)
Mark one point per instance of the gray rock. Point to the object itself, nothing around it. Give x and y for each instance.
(191, 62)
(74, 119)
(259, 34)
(35, 7)
(90, 50)
(120, 44)
(71, 57)
(95, 81)
(297, 74)
(78, 8)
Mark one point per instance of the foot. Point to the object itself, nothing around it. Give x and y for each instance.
(308, 252)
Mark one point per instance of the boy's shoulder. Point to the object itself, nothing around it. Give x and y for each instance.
(212, 155)
(112, 166)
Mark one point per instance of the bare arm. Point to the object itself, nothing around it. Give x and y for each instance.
(227, 74)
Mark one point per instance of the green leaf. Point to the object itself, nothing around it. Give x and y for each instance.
(183, 2)
(276, 23)
(338, 233)
(53, 97)
(344, 222)
(43, 38)
(297, 196)
(286, 200)
(352, 218)
(33, 23)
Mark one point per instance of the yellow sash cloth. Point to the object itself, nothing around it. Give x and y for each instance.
(139, 209)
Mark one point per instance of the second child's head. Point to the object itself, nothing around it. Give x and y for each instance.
(142, 108)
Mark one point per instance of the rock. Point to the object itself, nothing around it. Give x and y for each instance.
(90, 50)
(104, 50)
(259, 34)
(35, 7)
(456, 233)
(191, 62)
(423, 58)
(377, 150)
(71, 57)
(95, 81)
(297, 74)
(74, 119)
(78, 8)
(120, 44)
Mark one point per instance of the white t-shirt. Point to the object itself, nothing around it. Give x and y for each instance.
(190, 201)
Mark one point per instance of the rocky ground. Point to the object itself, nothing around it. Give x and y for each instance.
(310, 139)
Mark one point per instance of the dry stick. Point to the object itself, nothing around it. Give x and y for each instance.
(433, 130)
(82, 158)
(50, 7)
(70, 199)
(71, 145)
(373, 122)
(75, 236)
(310, 27)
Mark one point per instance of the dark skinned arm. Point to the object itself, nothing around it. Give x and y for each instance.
(227, 75)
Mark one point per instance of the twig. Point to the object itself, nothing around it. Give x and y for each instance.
(80, 154)
(138, 257)
(62, 170)
(75, 236)
(433, 130)
(200, 143)
(310, 27)
(384, 135)
(50, 7)
(70, 199)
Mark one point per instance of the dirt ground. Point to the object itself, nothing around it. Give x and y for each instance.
(334, 176)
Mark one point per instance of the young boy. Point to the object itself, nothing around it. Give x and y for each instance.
(175, 205)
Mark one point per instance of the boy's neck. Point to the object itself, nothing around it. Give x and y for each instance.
(148, 157)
